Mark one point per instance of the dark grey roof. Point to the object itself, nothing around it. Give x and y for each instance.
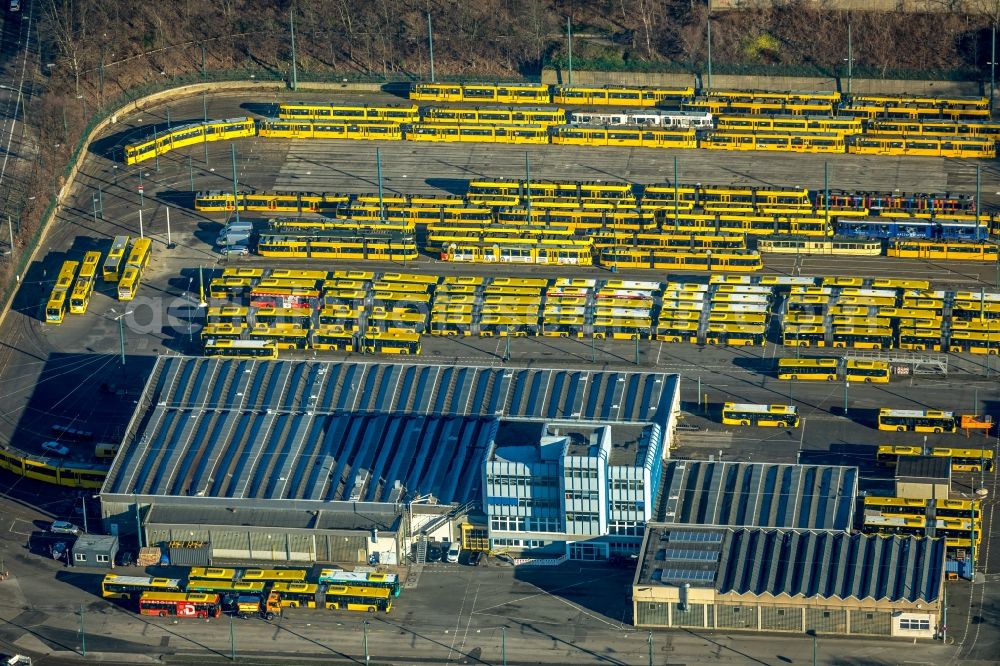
(366, 432)
(762, 495)
(924, 467)
(798, 563)
(832, 565)
(264, 518)
(95, 541)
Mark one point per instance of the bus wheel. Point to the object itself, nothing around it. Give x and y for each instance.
(269, 616)
(900, 428)
(938, 430)
(868, 380)
(371, 609)
(744, 422)
(830, 378)
(163, 613)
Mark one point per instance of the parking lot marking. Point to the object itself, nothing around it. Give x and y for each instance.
(14, 523)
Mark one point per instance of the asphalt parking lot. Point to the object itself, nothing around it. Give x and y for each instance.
(73, 374)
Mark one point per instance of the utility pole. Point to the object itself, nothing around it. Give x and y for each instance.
(204, 105)
(649, 640)
(847, 385)
(430, 43)
(709, 22)
(169, 244)
(677, 212)
(83, 633)
(569, 38)
(236, 196)
(527, 183)
(850, 58)
(291, 24)
(378, 174)
(232, 639)
(993, 61)
(367, 657)
(503, 645)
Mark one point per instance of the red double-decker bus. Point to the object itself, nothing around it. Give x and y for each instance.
(180, 604)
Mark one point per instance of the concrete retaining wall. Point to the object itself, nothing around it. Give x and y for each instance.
(740, 82)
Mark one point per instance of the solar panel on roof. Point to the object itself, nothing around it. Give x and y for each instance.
(683, 536)
(691, 555)
(692, 575)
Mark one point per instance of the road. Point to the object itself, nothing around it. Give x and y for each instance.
(72, 374)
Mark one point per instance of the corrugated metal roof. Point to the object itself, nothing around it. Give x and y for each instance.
(762, 495)
(831, 564)
(797, 563)
(366, 432)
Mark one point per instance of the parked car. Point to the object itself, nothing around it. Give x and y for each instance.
(56, 448)
(15, 5)
(454, 550)
(234, 250)
(434, 552)
(475, 558)
(125, 559)
(63, 527)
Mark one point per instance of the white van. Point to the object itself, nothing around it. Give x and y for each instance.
(454, 550)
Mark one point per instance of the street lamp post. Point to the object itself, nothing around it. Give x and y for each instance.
(367, 657)
(503, 645)
(993, 61)
(649, 641)
(83, 501)
(847, 385)
(83, 634)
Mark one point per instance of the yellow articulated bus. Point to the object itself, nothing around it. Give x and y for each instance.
(799, 142)
(703, 260)
(920, 339)
(915, 420)
(186, 135)
(218, 201)
(227, 314)
(822, 246)
(737, 335)
(780, 416)
(869, 372)
(674, 330)
(618, 95)
(135, 265)
(562, 326)
(395, 113)
(818, 369)
(582, 135)
(495, 325)
(83, 288)
(862, 338)
(55, 307)
(284, 336)
(111, 271)
(743, 123)
(961, 460)
(330, 129)
(942, 250)
(114, 586)
(332, 338)
(494, 115)
(451, 324)
(477, 133)
(803, 335)
(913, 506)
(500, 93)
(525, 252)
(622, 329)
(391, 342)
(974, 147)
(975, 342)
(248, 349)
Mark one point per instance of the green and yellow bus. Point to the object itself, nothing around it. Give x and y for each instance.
(818, 369)
(778, 416)
(916, 420)
(114, 586)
